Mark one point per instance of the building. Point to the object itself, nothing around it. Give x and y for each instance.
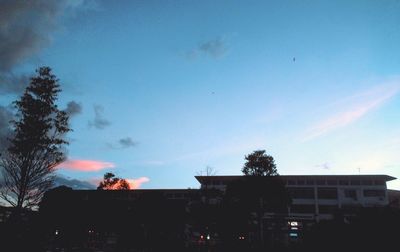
(186, 218)
(321, 196)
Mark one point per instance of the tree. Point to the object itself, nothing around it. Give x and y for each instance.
(261, 190)
(259, 163)
(37, 144)
(110, 182)
(208, 171)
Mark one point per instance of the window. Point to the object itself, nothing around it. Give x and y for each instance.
(321, 182)
(327, 209)
(379, 182)
(301, 182)
(332, 182)
(374, 193)
(310, 182)
(343, 182)
(216, 182)
(302, 209)
(302, 192)
(327, 193)
(351, 194)
(354, 182)
(366, 182)
(291, 182)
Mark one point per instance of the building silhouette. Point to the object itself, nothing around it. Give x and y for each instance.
(215, 217)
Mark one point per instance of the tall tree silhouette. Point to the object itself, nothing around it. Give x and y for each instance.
(259, 163)
(261, 190)
(110, 182)
(36, 147)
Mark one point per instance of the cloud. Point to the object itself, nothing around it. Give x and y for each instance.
(5, 130)
(215, 48)
(123, 143)
(73, 183)
(325, 166)
(133, 183)
(73, 108)
(25, 29)
(99, 122)
(370, 100)
(127, 142)
(85, 165)
(13, 84)
(137, 183)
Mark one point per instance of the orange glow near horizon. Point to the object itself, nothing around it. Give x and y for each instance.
(85, 165)
(133, 183)
(136, 183)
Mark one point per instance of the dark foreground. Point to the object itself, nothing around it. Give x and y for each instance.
(372, 231)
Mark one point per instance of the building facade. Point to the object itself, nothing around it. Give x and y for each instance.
(193, 218)
(319, 197)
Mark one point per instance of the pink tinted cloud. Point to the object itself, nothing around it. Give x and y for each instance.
(85, 165)
(137, 183)
(352, 114)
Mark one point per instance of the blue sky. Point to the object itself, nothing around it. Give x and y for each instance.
(181, 85)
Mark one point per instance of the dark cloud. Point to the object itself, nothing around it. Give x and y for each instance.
(99, 122)
(73, 183)
(127, 142)
(25, 29)
(215, 48)
(123, 143)
(73, 108)
(5, 131)
(13, 84)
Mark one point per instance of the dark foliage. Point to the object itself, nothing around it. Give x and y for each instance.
(110, 182)
(247, 200)
(259, 163)
(36, 147)
(373, 229)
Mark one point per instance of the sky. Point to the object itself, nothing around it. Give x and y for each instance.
(159, 90)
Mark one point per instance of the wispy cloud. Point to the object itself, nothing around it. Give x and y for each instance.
(73, 108)
(231, 147)
(325, 166)
(214, 48)
(99, 122)
(85, 165)
(371, 99)
(123, 143)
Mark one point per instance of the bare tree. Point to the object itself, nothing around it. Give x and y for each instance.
(208, 171)
(36, 146)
